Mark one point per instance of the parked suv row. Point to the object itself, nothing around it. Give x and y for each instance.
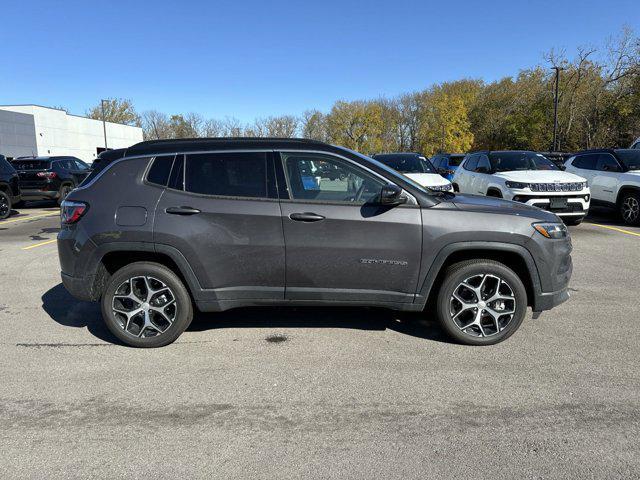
(10, 194)
(223, 223)
(526, 177)
(49, 178)
(614, 177)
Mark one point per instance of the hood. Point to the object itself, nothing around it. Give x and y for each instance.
(540, 176)
(428, 179)
(478, 203)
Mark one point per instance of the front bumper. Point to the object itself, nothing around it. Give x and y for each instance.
(578, 203)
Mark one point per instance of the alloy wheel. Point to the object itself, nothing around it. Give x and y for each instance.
(144, 306)
(482, 305)
(4, 207)
(630, 209)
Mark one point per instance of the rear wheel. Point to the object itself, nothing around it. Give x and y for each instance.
(630, 208)
(481, 302)
(146, 305)
(5, 205)
(64, 191)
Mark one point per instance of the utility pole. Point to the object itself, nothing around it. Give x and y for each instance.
(555, 111)
(104, 124)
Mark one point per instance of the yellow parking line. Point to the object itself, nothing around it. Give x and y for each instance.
(3, 222)
(39, 244)
(621, 230)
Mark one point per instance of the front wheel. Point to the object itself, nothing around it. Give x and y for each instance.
(146, 305)
(572, 222)
(481, 302)
(630, 208)
(5, 205)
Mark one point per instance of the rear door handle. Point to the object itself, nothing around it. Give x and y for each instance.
(306, 217)
(182, 210)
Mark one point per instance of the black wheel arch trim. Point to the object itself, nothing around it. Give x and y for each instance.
(427, 285)
(624, 189)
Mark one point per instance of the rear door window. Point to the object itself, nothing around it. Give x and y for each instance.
(587, 162)
(484, 164)
(471, 163)
(232, 174)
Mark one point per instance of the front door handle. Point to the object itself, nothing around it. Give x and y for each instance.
(306, 217)
(182, 210)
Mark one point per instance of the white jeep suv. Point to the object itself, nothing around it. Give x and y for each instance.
(417, 168)
(526, 177)
(614, 177)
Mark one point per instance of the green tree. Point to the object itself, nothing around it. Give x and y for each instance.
(116, 110)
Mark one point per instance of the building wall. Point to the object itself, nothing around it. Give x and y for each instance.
(17, 134)
(58, 133)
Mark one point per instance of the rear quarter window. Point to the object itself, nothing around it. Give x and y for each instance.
(160, 170)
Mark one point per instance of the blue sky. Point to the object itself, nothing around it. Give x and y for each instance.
(251, 59)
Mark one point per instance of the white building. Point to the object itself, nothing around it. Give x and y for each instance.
(35, 130)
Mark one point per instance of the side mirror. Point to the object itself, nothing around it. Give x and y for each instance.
(391, 194)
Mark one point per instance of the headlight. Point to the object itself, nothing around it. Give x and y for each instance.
(551, 230)
(518, 185)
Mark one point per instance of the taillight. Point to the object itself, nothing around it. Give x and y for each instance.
(47, 174)
(71, 212)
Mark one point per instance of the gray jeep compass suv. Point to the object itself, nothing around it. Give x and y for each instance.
(216, 224)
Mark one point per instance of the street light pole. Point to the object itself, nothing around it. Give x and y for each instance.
(104, 124)
(555, 111)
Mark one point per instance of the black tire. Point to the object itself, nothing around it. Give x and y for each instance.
(64, 191)
(629, 208)
(572, 222)
(183, 313)
(459, 272)
(5, 205)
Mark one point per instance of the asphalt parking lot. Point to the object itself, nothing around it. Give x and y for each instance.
(319, 393)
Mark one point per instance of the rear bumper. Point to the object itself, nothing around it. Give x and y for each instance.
(81, 288)
(40, 195)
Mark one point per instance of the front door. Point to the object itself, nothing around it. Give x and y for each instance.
(223, 215)
(341, 245)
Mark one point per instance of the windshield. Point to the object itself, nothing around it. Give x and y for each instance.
(510, 161)
(390, 171)
(630, 158)
(407, 163)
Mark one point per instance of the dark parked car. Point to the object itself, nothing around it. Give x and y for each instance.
(447, 163)
(49, 178)
(217, 224)
(9, 188)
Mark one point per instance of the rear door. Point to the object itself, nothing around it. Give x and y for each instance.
(340, 245)
(465, 177)
(222, 213)
(481, 175)
(585, 166)
(605, 178)
(79, 170)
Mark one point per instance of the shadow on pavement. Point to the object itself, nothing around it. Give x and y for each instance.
(606, 216)
(67, 311)
(412, 324)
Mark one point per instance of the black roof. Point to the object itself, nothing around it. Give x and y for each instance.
(445, 154)
(45, 158)
(395, 155)
(191, 144)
